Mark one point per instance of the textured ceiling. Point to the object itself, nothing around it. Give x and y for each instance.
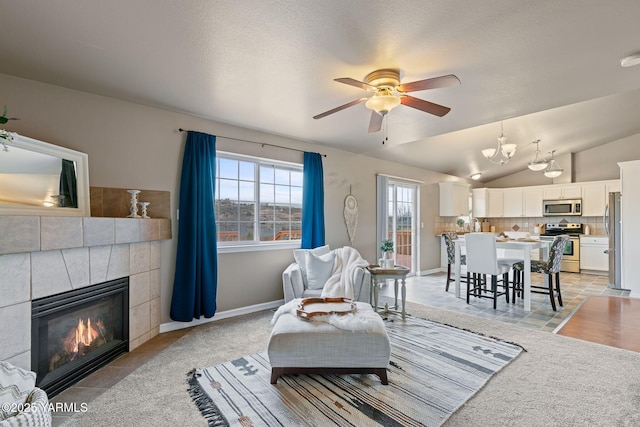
(549, 69)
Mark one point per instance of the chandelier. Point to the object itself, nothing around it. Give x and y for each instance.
(553, 170)
(539, 162)
(550, 168)
(503, 152)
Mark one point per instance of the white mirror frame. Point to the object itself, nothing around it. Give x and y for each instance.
(82, 179)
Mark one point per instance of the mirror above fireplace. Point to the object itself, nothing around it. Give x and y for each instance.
(38, 178)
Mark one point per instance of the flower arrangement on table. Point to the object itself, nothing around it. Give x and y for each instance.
(4, 135)
(386, 246)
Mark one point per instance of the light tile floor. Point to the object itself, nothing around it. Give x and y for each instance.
(575, 288)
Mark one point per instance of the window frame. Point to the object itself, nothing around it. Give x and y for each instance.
(255, 245)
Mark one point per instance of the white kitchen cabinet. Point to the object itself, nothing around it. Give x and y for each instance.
(594, 198)
(522, 202)
(562, 192)
(512, 202)
(454, 199)
(592, 256)
(532, 202)
(613, 186)
(488, 202)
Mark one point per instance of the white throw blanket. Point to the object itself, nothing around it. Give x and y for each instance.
(340, 284)
(361, 320)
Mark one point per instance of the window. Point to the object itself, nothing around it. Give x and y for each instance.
(258, 201)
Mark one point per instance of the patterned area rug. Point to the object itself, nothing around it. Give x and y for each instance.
(434, 369)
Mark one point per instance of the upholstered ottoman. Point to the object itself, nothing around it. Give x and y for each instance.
(300, 346)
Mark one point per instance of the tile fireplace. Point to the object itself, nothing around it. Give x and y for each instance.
(49, 256)
(76, 332)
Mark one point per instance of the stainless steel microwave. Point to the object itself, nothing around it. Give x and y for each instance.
(562, 207)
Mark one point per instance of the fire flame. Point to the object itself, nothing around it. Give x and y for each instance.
(82, 336)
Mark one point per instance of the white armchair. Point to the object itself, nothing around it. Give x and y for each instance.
(295, 283)
(17, 392)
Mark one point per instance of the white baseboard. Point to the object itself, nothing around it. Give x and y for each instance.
(173, 326)
(433, 271)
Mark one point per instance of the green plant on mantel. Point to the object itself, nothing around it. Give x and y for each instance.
(4, 135)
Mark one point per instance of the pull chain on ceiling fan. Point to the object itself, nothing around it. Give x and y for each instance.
(389, 93)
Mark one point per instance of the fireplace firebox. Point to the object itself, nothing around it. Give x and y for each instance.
(77, 332)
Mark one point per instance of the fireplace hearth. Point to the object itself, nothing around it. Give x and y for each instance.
(77, 332)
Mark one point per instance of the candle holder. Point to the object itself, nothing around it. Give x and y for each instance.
(144, 209)
(134, 204)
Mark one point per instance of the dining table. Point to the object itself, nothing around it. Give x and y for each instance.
(524, 246)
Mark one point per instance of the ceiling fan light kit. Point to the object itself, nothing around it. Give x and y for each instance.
(383, 103)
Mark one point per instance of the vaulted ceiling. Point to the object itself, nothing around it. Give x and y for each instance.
(549, 70)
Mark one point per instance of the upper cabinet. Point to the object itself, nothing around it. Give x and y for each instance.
(522, 201)
(594, 199)
(573, 191)
(488, 202)
(527, 201)
(532, 202)
(595, 196)
(454, 199)
(512, 206)
(614, 186)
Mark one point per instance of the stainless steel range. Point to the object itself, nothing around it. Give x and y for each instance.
(571, 256)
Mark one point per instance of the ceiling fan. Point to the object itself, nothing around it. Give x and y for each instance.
(388, 93)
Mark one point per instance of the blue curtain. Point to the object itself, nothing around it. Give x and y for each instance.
(312, 202)
(68, 184)
(196, 278)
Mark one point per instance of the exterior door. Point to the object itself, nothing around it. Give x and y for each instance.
(401, 222)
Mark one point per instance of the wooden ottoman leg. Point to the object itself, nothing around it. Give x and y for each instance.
(275, 374)
(382, 374)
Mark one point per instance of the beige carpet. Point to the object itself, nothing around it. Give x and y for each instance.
(559, 381)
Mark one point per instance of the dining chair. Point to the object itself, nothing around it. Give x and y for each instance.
(482, 259)
(449, 237)
(550, 267)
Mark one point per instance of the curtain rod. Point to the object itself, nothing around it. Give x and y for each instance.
(254, 142)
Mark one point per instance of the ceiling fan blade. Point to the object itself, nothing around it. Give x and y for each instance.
(426, 106)
(434, 83)
(353, 82)
(376, 122)
(342, 107)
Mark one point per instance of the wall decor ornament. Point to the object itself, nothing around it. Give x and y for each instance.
(351, 215)
(144, 206)
(134, 204)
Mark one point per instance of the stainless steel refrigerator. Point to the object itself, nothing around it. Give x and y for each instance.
(612, 225)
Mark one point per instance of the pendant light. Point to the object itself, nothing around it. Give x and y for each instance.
(538, 163)
(553, 170)
(503, 152)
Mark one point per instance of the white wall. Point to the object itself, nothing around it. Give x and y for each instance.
(133, 146)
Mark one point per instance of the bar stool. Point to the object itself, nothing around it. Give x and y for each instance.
(482, 259)
(449, 237)
(551, 267)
